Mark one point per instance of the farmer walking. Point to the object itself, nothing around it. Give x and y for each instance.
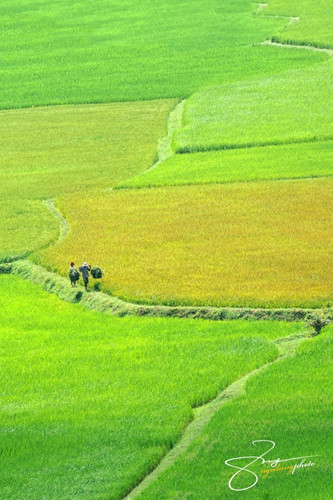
(84, 270)
(74, 274)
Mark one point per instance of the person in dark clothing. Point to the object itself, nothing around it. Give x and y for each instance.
(74, 274)
(84, 270)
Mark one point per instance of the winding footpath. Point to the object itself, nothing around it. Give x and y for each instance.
(203, 414)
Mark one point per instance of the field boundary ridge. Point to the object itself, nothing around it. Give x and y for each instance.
(306, 46)
(102, 302)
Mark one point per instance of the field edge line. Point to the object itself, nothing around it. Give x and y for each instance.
(64, 225)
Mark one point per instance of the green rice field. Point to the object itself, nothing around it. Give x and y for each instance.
(314, 159)
(89, 403)
(290, 403)
(294, 106)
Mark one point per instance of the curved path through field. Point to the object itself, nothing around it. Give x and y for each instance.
(203, 414)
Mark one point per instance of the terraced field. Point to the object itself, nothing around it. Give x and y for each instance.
(290, 401)
(292, 161)
(186, 148)
(262, 244)
(99, 51)
(51, 151)
(91, 403)
(312, 21)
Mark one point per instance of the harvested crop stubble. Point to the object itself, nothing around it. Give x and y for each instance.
(250, 244)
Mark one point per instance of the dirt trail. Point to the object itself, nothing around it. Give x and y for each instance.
(203, 414)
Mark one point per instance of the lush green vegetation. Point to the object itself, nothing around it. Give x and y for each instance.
(251, 244)
(64, 52)
(244, 164)
(313, 23)
(90, 403)
(46, 152)
(289, 403)
(25, 227)
(294, 106)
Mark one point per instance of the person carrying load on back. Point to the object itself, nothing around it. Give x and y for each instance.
(84, 270)
(74, 274)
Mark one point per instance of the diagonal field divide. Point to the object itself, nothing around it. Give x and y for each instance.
(203, 414)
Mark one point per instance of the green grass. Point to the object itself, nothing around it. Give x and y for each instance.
(314, 26)
(248, 164)
(25, 227)
(289, 403)
(64, 52)
(46, 152)
(294, 106)
(258, 244)
(90, 403)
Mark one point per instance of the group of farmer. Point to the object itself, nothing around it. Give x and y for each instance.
(74, 274)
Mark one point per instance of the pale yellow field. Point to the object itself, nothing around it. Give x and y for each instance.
(49, 151)
(255, 244)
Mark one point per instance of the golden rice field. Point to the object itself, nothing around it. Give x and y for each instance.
(250, 244)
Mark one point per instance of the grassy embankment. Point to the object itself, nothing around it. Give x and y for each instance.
(290, 403)
(90, 403)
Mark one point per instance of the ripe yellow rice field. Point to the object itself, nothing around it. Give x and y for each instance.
(250, 244)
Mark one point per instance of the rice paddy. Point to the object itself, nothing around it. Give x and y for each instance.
(311, 25)
(87, 52)
(294, 106)
(245, 164)
(290, 403)
(46, 152)
(25, 227)
(90, 403)
(265, 244)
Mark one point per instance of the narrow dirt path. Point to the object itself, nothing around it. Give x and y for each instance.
(203, 414)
